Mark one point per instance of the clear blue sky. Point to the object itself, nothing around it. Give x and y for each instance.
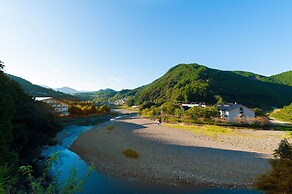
(89, 45)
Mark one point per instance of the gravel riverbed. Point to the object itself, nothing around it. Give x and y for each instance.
(175, 156)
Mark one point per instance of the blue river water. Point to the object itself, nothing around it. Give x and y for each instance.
(98, 182)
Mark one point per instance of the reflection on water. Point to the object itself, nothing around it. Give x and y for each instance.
(100, 183)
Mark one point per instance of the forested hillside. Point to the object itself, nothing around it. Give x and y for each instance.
(126, 94)
(35, 90)
(107, 95)
(25, 125)
(282, 78)
(98, 96)
(197, 83)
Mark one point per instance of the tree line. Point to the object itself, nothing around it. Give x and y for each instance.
(25, 125)
(86, 108)
(169, 111)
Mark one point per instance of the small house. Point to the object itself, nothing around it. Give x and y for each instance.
(231, 111)
(120, 102)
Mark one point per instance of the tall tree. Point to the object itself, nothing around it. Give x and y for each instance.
(1, 65)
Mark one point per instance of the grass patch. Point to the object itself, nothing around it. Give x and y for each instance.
(207, 130)
(130, 153)
(109, 129)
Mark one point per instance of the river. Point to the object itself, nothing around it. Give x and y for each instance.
(98, 182)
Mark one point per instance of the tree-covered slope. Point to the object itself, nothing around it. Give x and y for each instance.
(108, 95)
(250, 75)
(36, 90)
(197, 83)
(282, 78)
(284, 114)
(125, 93)
(102, 95)
(25, 125)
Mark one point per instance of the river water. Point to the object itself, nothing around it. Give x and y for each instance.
(98, 182)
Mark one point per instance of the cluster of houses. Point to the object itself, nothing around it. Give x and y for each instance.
(120, 102)
(58, 105)
(230, 111)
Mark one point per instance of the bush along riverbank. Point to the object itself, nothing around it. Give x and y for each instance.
(279, 178)
(86, 119)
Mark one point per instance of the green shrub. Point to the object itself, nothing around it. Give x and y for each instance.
(284, 151)
(7, 180)
(70, 184)
(206, 112)
(130, 153)
(110, 128)
(279, 178)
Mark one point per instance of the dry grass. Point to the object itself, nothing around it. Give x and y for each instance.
(208, 130)
(214, 131)
(130, 153)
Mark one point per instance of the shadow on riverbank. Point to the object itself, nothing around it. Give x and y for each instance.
(86, 120)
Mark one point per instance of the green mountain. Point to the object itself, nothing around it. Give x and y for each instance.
(107, 95)
(36, 90)
(197, 83)
(125, 93)
(102, 95)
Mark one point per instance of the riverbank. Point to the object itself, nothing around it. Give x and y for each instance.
(86, 120)
(169, 155)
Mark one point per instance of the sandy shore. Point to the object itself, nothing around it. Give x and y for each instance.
(175, 156)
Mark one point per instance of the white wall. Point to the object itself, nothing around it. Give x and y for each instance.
(248, 113)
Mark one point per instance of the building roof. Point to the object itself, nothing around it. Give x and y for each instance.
(193, 104)
(42, 98)
(229, 106)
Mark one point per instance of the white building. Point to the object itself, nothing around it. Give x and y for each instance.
(231, 111)
(120, 102)
(187, 106)
(57, 105)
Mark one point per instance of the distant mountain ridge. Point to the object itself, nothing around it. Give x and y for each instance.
(36, 90)
(67, 90)
(190, 83)
(99, 96)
